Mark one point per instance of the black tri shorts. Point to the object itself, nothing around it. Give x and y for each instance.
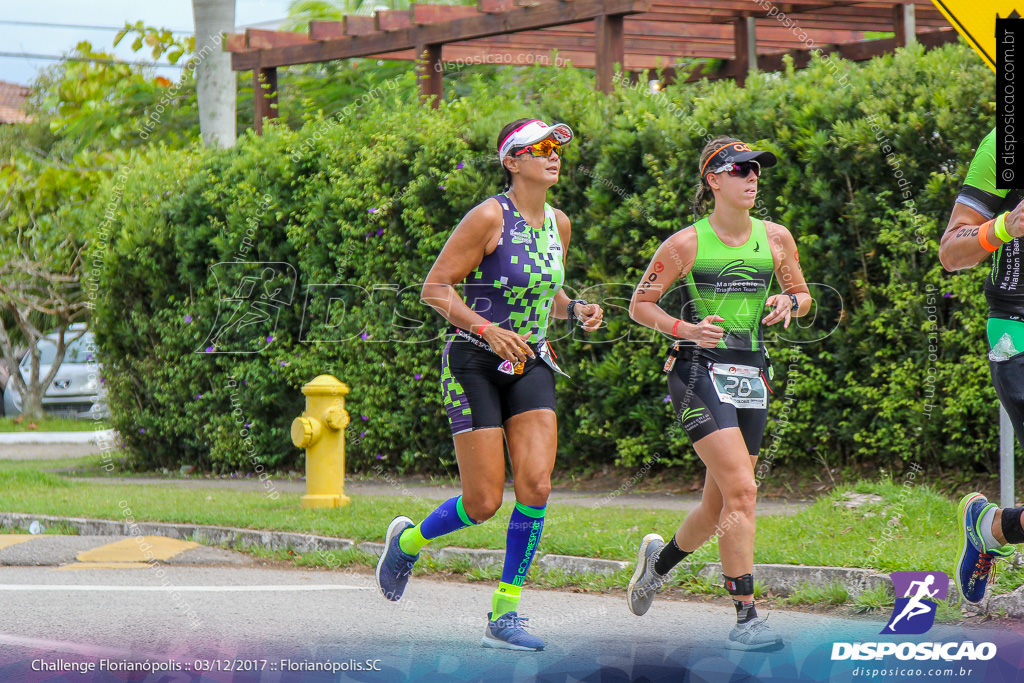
(701, 412)
(477, 395)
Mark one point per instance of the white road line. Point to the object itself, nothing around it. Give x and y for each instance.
(85, 649)
(29, 587)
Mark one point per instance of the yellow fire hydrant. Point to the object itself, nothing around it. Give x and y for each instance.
(321, 431)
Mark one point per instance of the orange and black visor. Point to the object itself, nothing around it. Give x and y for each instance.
(734, 153)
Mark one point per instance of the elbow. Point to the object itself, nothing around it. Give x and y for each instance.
(429, 293)
(632, 311)
(947, 260)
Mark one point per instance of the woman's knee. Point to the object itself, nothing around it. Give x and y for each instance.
(481, 507)
(741, 498)
(534, 494)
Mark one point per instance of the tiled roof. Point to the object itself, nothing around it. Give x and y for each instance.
(12, 102)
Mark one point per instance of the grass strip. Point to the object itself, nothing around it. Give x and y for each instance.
(905, 529)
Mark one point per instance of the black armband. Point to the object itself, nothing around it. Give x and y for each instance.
(739, 585)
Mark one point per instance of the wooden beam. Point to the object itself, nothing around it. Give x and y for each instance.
(857, 52)
(326, 30)
(493, 6)
(235, 42)
(609, 49)
(264, 90)
(431, 14)
(458, 29)
(359, 26)
(639, 26)
(904, 21)
(392, 20)
(877, 20)
(715, 13)
(430, 71)
(262, 40)
(745, 39)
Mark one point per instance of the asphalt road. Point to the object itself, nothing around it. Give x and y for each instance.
(283, 622)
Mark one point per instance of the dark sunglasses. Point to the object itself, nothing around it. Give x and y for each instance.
(741, 169)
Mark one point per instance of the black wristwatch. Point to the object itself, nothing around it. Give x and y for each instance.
(571, 308)
(796, 303)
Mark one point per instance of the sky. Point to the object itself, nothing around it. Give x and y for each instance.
(21, 39)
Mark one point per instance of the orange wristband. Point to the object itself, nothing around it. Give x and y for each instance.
(480, 330)
(674, 328)
(983, 236)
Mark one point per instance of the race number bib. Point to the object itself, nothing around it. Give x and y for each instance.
(740, 385)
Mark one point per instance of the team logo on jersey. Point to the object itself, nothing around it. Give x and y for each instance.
(738, 269)
(520, 233)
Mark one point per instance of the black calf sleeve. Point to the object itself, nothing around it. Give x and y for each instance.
(1011, 525)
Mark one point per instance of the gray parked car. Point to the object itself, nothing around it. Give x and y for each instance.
(76, 391)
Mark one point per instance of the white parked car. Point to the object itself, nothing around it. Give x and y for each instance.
(76, 391)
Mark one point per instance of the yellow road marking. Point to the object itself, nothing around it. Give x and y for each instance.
(138, 549)
(104, 565)
(7, 540)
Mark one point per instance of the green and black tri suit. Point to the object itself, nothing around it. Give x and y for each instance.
(1004, 284)
(732, 283)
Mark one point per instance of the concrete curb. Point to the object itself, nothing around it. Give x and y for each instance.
(237, 539)
(1007, 604)
(86, 436)
(781, 579)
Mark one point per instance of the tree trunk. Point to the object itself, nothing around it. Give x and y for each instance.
(215, 81)
(32, 403)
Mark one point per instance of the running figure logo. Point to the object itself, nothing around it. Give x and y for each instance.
(914, 612)
(251, 295)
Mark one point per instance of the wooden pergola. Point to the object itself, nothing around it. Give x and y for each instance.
(594, 34)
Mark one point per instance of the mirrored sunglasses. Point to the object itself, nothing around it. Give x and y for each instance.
(741, 169)
(542, 149)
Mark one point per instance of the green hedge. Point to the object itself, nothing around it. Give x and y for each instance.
(366, 201)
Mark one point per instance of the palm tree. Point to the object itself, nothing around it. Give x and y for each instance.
(215, 81)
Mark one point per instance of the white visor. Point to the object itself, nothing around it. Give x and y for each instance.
(534, 131)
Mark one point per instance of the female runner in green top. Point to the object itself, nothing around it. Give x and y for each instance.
(717, 368)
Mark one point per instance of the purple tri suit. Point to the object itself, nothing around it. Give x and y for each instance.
(514, 286)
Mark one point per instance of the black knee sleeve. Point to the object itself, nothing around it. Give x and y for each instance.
(739, 585)
(1010, 521)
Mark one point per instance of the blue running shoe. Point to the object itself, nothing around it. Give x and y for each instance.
(508, 632)
(975, 564)
(395, 565)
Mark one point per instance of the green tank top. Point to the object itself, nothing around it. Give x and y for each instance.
(730, 282)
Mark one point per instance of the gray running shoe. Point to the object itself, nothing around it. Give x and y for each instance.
(753, 635)
(646, 582)
(508, 632)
